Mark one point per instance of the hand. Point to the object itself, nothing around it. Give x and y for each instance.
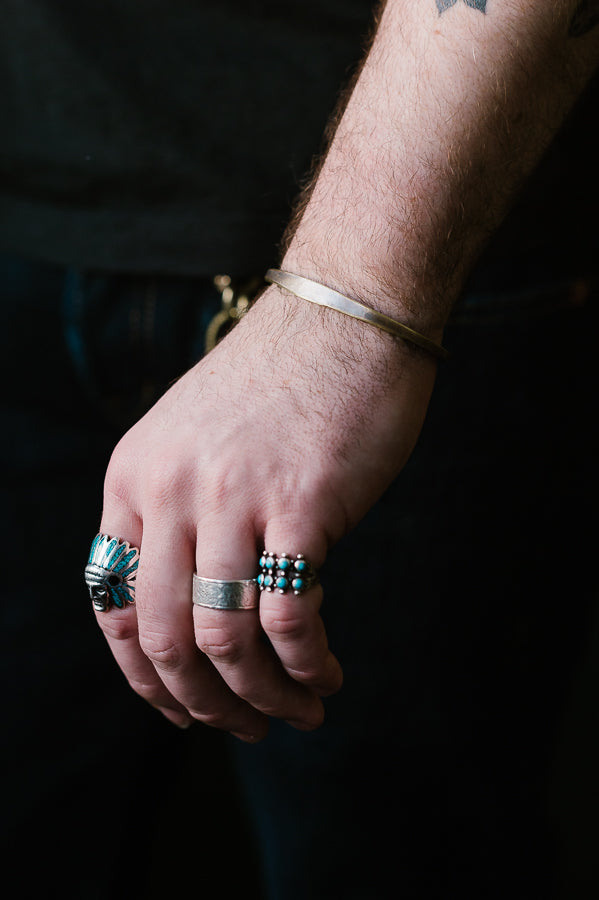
(280, 439)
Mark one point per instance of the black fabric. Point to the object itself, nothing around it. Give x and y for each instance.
(172, 137)
(551, 233)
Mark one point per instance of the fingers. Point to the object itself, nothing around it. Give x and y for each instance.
(153, 641)
(214, 665)
(297, 634)
(233, 640)
(120, 628)
(121, 632)
(166, 635)
(293, 622)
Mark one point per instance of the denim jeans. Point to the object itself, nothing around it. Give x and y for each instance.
(459, 759)
(456, 760)
(101, 797)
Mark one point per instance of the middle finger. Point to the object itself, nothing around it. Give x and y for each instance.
(166, 635)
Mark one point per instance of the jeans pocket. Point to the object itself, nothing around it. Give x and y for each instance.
(130, 336)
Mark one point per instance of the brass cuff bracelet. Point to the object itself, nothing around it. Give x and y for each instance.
(324, 296)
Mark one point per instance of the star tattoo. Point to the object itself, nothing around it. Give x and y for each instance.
(442, 5)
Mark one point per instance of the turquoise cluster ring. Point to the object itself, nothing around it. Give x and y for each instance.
(285, 573)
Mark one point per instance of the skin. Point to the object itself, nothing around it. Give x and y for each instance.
(290, 430)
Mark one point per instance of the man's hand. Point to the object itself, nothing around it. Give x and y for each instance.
(281, 438)
(287, 433)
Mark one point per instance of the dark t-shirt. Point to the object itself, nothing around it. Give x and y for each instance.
(173, 135)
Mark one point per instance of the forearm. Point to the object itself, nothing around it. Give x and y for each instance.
(449, 115)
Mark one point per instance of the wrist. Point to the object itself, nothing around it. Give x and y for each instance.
(340, 351)
(377, 283)
(320, 295)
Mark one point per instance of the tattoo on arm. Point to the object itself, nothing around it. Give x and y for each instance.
(585, 18)
(442, 5)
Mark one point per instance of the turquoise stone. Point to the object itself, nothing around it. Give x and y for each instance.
(282, 584)
(268, 581)
(262, 562)
(284, 563)
(269, 563)
(260, 579)
(301, 565)
(297, 584)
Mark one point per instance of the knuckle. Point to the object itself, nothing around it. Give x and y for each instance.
(310, 677)
(220, 645)
(117, 628)
(313, 721)
(323, 675)
(117, 482)
(285, 626)
(165, 479)
(152, 693)
(211, 719)
(224, 479)
(277, 705)
(162, 650)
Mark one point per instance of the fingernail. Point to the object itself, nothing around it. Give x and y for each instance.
(183, 725)
(176, 718)
(248, 738)
(302, 725)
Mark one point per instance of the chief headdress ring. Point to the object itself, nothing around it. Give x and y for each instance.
(110, 572)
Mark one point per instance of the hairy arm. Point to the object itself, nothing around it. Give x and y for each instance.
(455, 104)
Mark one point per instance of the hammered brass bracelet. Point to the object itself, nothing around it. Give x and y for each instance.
(324, 296)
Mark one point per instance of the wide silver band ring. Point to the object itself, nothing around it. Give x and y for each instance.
(215, 593)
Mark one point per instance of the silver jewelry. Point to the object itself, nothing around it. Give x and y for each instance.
(324, 296)
(215, 593)
(283, 573)
(110, 572)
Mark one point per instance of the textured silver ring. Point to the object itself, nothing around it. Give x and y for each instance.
(110, 572)
(216, 593)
